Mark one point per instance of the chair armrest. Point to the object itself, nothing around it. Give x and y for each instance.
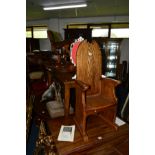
(108, 86)
(111, 81)
(81, 89)
(83, 86)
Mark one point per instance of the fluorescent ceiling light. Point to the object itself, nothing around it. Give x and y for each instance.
(65, 6)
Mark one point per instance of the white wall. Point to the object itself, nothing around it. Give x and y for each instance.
(45, 45)
(106, 19)
(37, 22)
(58, 25)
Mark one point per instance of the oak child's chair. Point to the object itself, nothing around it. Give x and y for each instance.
(95, 95)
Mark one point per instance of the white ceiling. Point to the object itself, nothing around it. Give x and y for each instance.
(34, 9)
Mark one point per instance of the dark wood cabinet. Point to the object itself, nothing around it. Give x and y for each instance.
(110, 49)
(112, 52)
(32, 44)
(76, 33)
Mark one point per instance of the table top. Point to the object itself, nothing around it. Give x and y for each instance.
(100, 136)
(63, 72)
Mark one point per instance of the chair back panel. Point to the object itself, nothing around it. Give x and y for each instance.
(89, 65)
(50, 36)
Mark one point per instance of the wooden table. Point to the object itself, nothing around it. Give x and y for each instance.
(63, 75)
(103, 140)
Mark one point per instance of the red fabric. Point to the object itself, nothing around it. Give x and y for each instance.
(74, 50)
(39, 87)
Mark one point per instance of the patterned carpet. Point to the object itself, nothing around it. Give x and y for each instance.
(39, 140)
(44, 143)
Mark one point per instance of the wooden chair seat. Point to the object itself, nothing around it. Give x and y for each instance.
(99, 102)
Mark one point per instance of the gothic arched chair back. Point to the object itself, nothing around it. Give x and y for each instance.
(89, 66)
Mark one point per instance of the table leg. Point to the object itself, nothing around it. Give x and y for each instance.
(66, 100)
